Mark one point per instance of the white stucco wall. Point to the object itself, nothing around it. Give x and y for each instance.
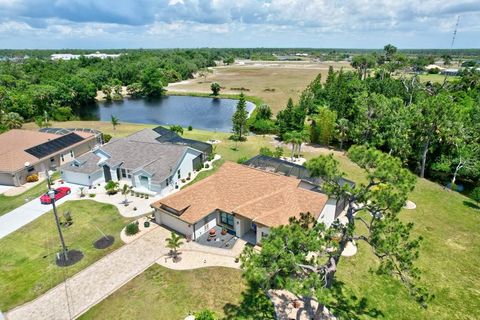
(327, 216)
(260, 230)
(172, 222)
(205, 225)
(185, 165)
(242, 226)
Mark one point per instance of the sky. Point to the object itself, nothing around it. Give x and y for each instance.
(99, 24)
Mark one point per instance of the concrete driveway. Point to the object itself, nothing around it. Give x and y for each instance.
(25, 214)
(4, 188)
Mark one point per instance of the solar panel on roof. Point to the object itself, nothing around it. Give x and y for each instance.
(47, 148)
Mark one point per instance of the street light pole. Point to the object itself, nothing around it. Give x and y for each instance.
(51, 193)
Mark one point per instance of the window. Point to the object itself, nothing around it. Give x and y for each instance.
(30, 169)
(62, 157)
(178, 174)
(124, 173)
(52, 159)
(227, 219)
(71, 153)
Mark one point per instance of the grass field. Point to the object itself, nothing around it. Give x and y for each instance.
(27, 266)
(8, 203)
(273, 82)
(161, 293)
(449, 256)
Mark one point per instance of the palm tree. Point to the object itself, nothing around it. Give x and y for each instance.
(174, 242)
(290, 138)
(114, 121)
(295, 138)
(125, 191)
(303, 136)
(342, 129)
(177, 129)
(12, 120)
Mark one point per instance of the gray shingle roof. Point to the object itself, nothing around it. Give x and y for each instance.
(88, 164)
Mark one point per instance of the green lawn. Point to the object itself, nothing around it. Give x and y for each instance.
(449, 256)
(27, 266)
(8, 203)
(161, 293)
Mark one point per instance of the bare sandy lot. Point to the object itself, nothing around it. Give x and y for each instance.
(272, 81)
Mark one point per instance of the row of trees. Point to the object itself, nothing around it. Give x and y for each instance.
(34, 86)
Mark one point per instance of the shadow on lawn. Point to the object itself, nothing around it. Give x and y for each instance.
(470, 204)
(256, 305)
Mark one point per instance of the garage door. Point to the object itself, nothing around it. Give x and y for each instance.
(175, 224)
(6, 179)
(76, 177)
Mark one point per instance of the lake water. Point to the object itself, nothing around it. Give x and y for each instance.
(214, 114)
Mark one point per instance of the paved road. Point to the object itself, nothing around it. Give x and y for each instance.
(77, 294)
(25, 214)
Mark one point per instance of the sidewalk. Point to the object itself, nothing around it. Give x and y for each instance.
(77, 294)
(25, 214)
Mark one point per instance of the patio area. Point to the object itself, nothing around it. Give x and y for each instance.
(218, 240)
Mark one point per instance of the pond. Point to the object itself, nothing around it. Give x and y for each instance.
(214, 114)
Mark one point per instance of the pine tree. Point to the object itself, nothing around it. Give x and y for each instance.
(239, 119)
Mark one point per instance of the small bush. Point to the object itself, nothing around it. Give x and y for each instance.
(106, 137)
(242, 160)
(190, 128)
(32, 178)
(132, 228)
(206, 166)
(205, 314)
(183, 180)
(92, 195)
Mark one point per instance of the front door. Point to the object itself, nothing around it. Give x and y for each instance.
(107, 174)
(144, 182)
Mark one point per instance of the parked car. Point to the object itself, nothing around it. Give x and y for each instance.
(59, 194)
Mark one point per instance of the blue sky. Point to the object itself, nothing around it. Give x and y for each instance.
(238, 23)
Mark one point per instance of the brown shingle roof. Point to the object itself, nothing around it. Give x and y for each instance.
(13, 144)
(266, 198)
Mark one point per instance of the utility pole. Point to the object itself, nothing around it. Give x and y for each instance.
(51, 193)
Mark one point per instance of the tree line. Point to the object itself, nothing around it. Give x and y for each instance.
(35, 87)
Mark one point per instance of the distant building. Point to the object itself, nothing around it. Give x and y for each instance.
(434, 66)
(450, 72)
(69, 56)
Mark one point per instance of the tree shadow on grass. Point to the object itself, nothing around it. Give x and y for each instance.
(254, 305)
(470, 204)
(349, 306)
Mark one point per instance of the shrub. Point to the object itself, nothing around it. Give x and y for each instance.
(265, 151)
(278, 153)
(132, 228)
(475, 195)
(106, 137)
(92, 195)
(205, 314)
(190, 128)
(242, 160)
(32, 178)
(183, 180)
(206, 166)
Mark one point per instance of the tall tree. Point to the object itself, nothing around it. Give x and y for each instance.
(303, 256)
(323, 125)
(341, 131)
(239, 120)
(215, 87)
(12, 120)
(434, 119)
(177, 128)
(362, 63)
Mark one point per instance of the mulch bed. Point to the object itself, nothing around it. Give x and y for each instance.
(104, 242)
(73, 257)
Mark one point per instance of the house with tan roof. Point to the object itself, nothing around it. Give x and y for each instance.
(26, 152)
(244, 200)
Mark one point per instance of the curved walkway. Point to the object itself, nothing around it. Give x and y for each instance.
(88, 287)
(77, 294)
